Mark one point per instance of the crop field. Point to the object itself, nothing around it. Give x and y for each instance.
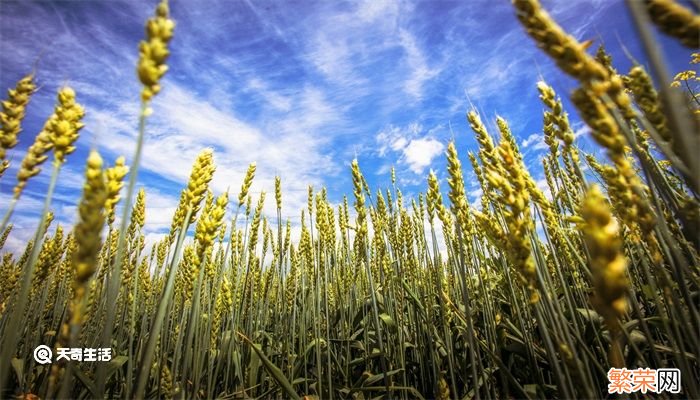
(534, 291)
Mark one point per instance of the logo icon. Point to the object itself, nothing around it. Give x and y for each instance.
(42, 354)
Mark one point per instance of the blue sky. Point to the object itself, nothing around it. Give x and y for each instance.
(300, 88)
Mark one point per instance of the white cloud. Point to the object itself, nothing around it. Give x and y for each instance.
(399, 144)
(370, 10)
(475, 196)
(160, 208)
(395, 138)
(415, 150)
(420, 153)
(533, 138)
(544, 187)
(580, 129)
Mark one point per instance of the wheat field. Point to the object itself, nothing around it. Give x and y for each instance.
(535, 293)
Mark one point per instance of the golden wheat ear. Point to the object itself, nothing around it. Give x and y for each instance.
(11, 116)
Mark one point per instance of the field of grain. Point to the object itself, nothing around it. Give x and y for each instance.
(536, 294)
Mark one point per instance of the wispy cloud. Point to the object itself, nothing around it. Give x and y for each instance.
(420, 72)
